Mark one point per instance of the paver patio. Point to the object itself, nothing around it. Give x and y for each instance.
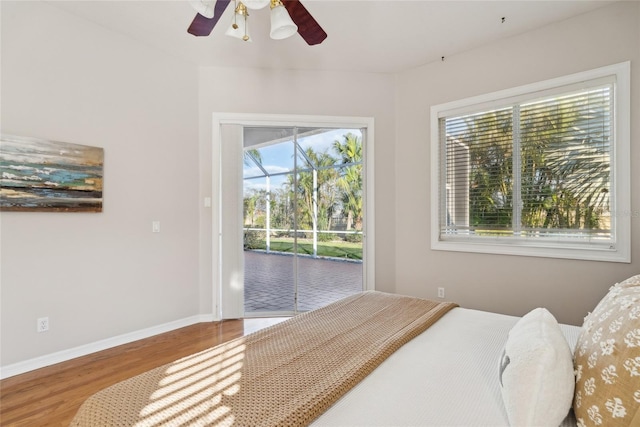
(269, 284)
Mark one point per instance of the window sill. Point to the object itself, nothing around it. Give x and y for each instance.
(603, 252)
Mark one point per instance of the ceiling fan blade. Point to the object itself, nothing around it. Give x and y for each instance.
(308, 27)
(202, 26)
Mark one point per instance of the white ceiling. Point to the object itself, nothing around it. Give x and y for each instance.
(363, 35)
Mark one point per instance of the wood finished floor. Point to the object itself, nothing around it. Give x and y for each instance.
(51, 396)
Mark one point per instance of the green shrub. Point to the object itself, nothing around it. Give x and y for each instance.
(326, 237)
(353, 238)
(255, 239)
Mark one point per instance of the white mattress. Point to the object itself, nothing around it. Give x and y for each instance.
(447, 376)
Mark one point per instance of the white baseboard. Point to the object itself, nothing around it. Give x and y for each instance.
(64, 355)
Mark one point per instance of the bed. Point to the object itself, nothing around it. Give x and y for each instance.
(447, 376)
(378, 359)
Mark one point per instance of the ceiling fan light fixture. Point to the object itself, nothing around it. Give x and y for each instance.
(204, 7)
(256, 4)
(282, 26)
(239, 27)
(287, 18)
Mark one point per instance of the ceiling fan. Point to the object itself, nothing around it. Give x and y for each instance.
(287, 17)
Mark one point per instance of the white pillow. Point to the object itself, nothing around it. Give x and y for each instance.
(536, 372)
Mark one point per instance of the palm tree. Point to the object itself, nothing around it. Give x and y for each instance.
(251, 155)
(564, 164)
(350, 181)
(572, 140)
(489, 138)
(322, 195)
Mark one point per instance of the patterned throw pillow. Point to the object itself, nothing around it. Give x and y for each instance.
(607, 360)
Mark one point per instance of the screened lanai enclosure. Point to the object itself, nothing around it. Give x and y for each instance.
(302, 217)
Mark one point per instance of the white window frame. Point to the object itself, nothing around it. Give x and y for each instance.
(620, 250)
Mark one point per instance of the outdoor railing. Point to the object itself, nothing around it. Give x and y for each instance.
(296, 234)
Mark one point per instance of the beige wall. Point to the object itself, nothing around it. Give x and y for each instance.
(228, 90)
(508, 284)
(98, 275)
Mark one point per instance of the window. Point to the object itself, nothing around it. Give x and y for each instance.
(539, 170)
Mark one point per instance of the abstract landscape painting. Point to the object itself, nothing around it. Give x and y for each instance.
(49, 176)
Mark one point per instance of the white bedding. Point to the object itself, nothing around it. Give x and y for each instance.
(447, 376)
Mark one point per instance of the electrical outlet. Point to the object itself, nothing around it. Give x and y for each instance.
(440, 292)
(43, 324)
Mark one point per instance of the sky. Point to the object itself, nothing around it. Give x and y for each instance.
(278, 157)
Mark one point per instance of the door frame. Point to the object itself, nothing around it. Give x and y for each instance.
(284, 120)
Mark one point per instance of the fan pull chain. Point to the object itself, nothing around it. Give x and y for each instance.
(246, 36)
(235, 15)
(241, 9)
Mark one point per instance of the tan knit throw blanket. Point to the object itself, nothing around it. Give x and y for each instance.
(284, 375)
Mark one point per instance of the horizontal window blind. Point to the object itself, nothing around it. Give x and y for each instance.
(532, 170)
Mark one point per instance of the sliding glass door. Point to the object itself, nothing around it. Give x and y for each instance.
(302, 217)
(269, 220)
(292, 221)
